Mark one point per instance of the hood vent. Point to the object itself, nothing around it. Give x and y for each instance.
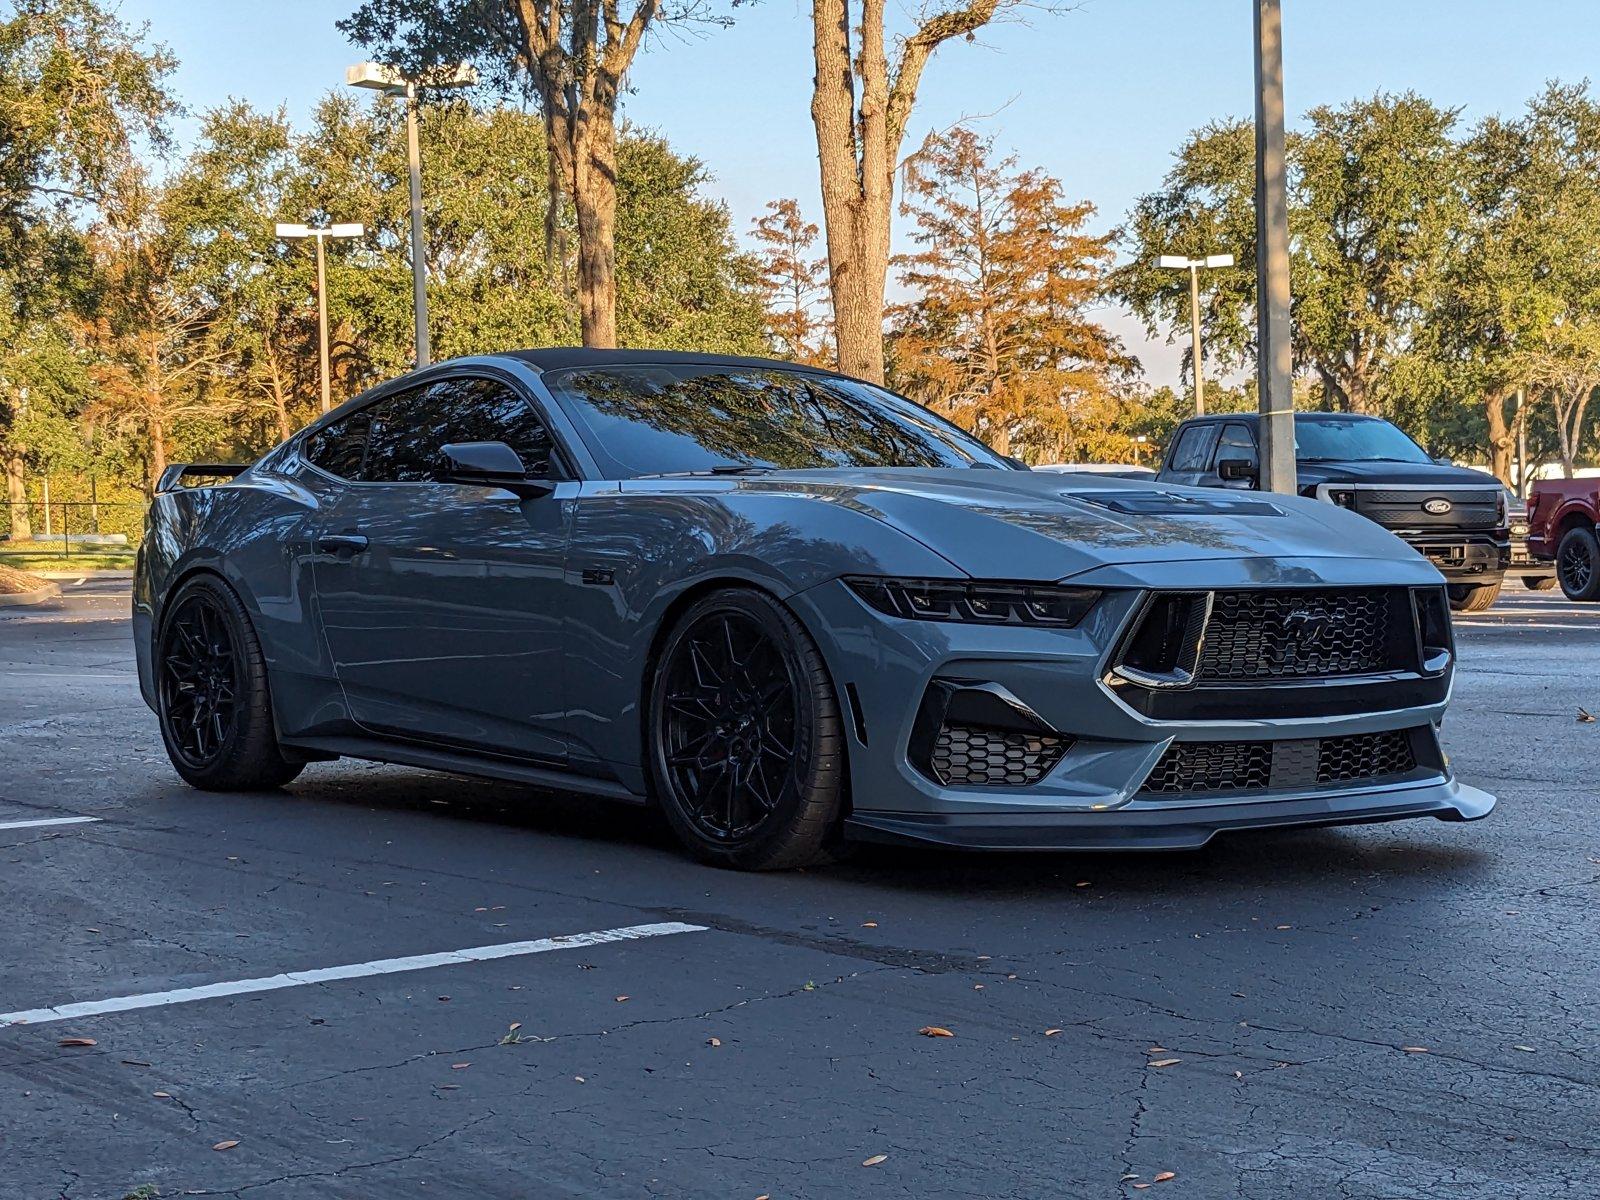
(1172, 504)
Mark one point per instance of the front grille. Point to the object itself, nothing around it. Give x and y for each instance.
(1298, 763)
(1301, 634)
(1211, 767)
(974, 755)
(1365, 756)
(1402, 508)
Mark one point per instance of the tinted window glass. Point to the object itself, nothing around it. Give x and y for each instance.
(1354, 439)
(1193, 449)
(1236, 442)
(338, 448)
(653, 420)
(410, 429)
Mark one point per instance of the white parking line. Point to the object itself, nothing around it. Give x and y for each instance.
(39, 824)
(382, 966)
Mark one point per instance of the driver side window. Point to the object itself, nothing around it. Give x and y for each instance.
(411, 428)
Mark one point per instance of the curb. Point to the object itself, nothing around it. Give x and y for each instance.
(50, 591)
(90, 573)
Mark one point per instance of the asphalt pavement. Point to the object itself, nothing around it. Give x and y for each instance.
(1405, 1010)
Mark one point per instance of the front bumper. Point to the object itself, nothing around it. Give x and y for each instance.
(1466, 558)
(1091, 797)
(1145, 825)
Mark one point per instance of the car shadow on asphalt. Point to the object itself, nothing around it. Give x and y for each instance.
(1418, 850)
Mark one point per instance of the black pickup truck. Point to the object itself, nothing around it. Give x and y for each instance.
(1456, 518)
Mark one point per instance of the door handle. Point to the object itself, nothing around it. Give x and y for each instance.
(342, 543)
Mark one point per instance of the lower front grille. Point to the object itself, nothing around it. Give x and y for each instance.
(1211, 767)
(1365, 756)
(1292, 764)
(975, 756)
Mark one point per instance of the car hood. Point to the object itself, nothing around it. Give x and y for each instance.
(1034, 525)
(1391, 472)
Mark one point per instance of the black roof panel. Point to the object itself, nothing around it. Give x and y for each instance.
(555, 358)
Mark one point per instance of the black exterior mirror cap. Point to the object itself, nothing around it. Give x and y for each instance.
(1238, 468)
(491, 464)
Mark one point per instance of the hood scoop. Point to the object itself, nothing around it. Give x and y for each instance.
(1172, 504)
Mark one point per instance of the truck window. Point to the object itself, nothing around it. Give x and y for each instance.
(1192, 450)
(1237, 442)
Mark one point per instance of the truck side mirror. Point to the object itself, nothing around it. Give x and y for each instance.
(1238, 469)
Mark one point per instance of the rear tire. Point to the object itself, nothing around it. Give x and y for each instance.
(1578, 564)
(1538, 583)
(1473, 597)
(744, 737)
(213, 700)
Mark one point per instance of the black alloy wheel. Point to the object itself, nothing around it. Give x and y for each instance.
(1578, 564)
(211, 693)
(746, 743)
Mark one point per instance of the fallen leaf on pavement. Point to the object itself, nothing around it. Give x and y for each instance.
(1166, 1175)
(713, 1041)
(459, 1066)
(1585, 718)
(1163, 1062)
(1525, 1049)
(76, 1041)
(162, 1095)
(1415, 1049)
(1141, 1186)
(580, 1079)
(227, 1145)
(1051, 1032)
(621, 999)
(875, 1160)
(869, 924)
(935, 1031)
(1283, 926)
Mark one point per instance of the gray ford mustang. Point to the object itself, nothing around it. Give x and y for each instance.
(789, 608)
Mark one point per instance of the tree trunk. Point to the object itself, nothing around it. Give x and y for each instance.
(596, 204)
(158, 451)
(17, 498)
(1501, 443)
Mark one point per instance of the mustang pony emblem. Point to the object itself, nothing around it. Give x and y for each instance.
(1304, 630)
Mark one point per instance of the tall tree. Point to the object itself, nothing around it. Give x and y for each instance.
(999, 335)
(793, 281)
(78, 89)
(860, 107)
(573, 56)
(1375, 202)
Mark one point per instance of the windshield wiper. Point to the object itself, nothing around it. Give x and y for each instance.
(719, 469)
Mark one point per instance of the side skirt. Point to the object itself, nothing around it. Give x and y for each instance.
(431, 759)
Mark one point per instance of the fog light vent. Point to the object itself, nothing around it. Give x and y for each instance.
(972, 755)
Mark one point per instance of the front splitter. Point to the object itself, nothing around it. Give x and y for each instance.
(1150, 825)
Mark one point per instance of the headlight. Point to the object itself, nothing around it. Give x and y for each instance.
(976, 602)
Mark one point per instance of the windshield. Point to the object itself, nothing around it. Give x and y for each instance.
(1354, 439)
(659, 420)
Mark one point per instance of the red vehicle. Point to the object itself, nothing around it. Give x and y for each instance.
(1562, 516)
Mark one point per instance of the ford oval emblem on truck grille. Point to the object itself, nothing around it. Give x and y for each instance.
(1437, 506)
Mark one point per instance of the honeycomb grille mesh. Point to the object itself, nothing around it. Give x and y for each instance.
(1300, 634)
(1365, 756)
(1256, 766)
(974, 755)
(1211, 767)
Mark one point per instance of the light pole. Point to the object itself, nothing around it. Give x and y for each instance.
(1193, 265)
(389, 80)
(1274, 355)
(297, 233)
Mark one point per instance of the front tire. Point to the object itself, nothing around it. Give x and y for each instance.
(744, 737)
(1469, 597)
(1538, 583)
(213, 701)
(1578, 564)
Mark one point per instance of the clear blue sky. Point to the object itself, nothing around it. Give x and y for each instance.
(1099, 95)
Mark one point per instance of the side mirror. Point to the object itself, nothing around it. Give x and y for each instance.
(1444, 460)
(1233, 470)
(491, 464)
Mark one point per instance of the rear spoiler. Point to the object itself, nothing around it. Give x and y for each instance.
(174, 475)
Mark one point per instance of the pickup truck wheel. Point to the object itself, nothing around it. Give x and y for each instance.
(1538, 583)
(1469, 597)
(1578, 564)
